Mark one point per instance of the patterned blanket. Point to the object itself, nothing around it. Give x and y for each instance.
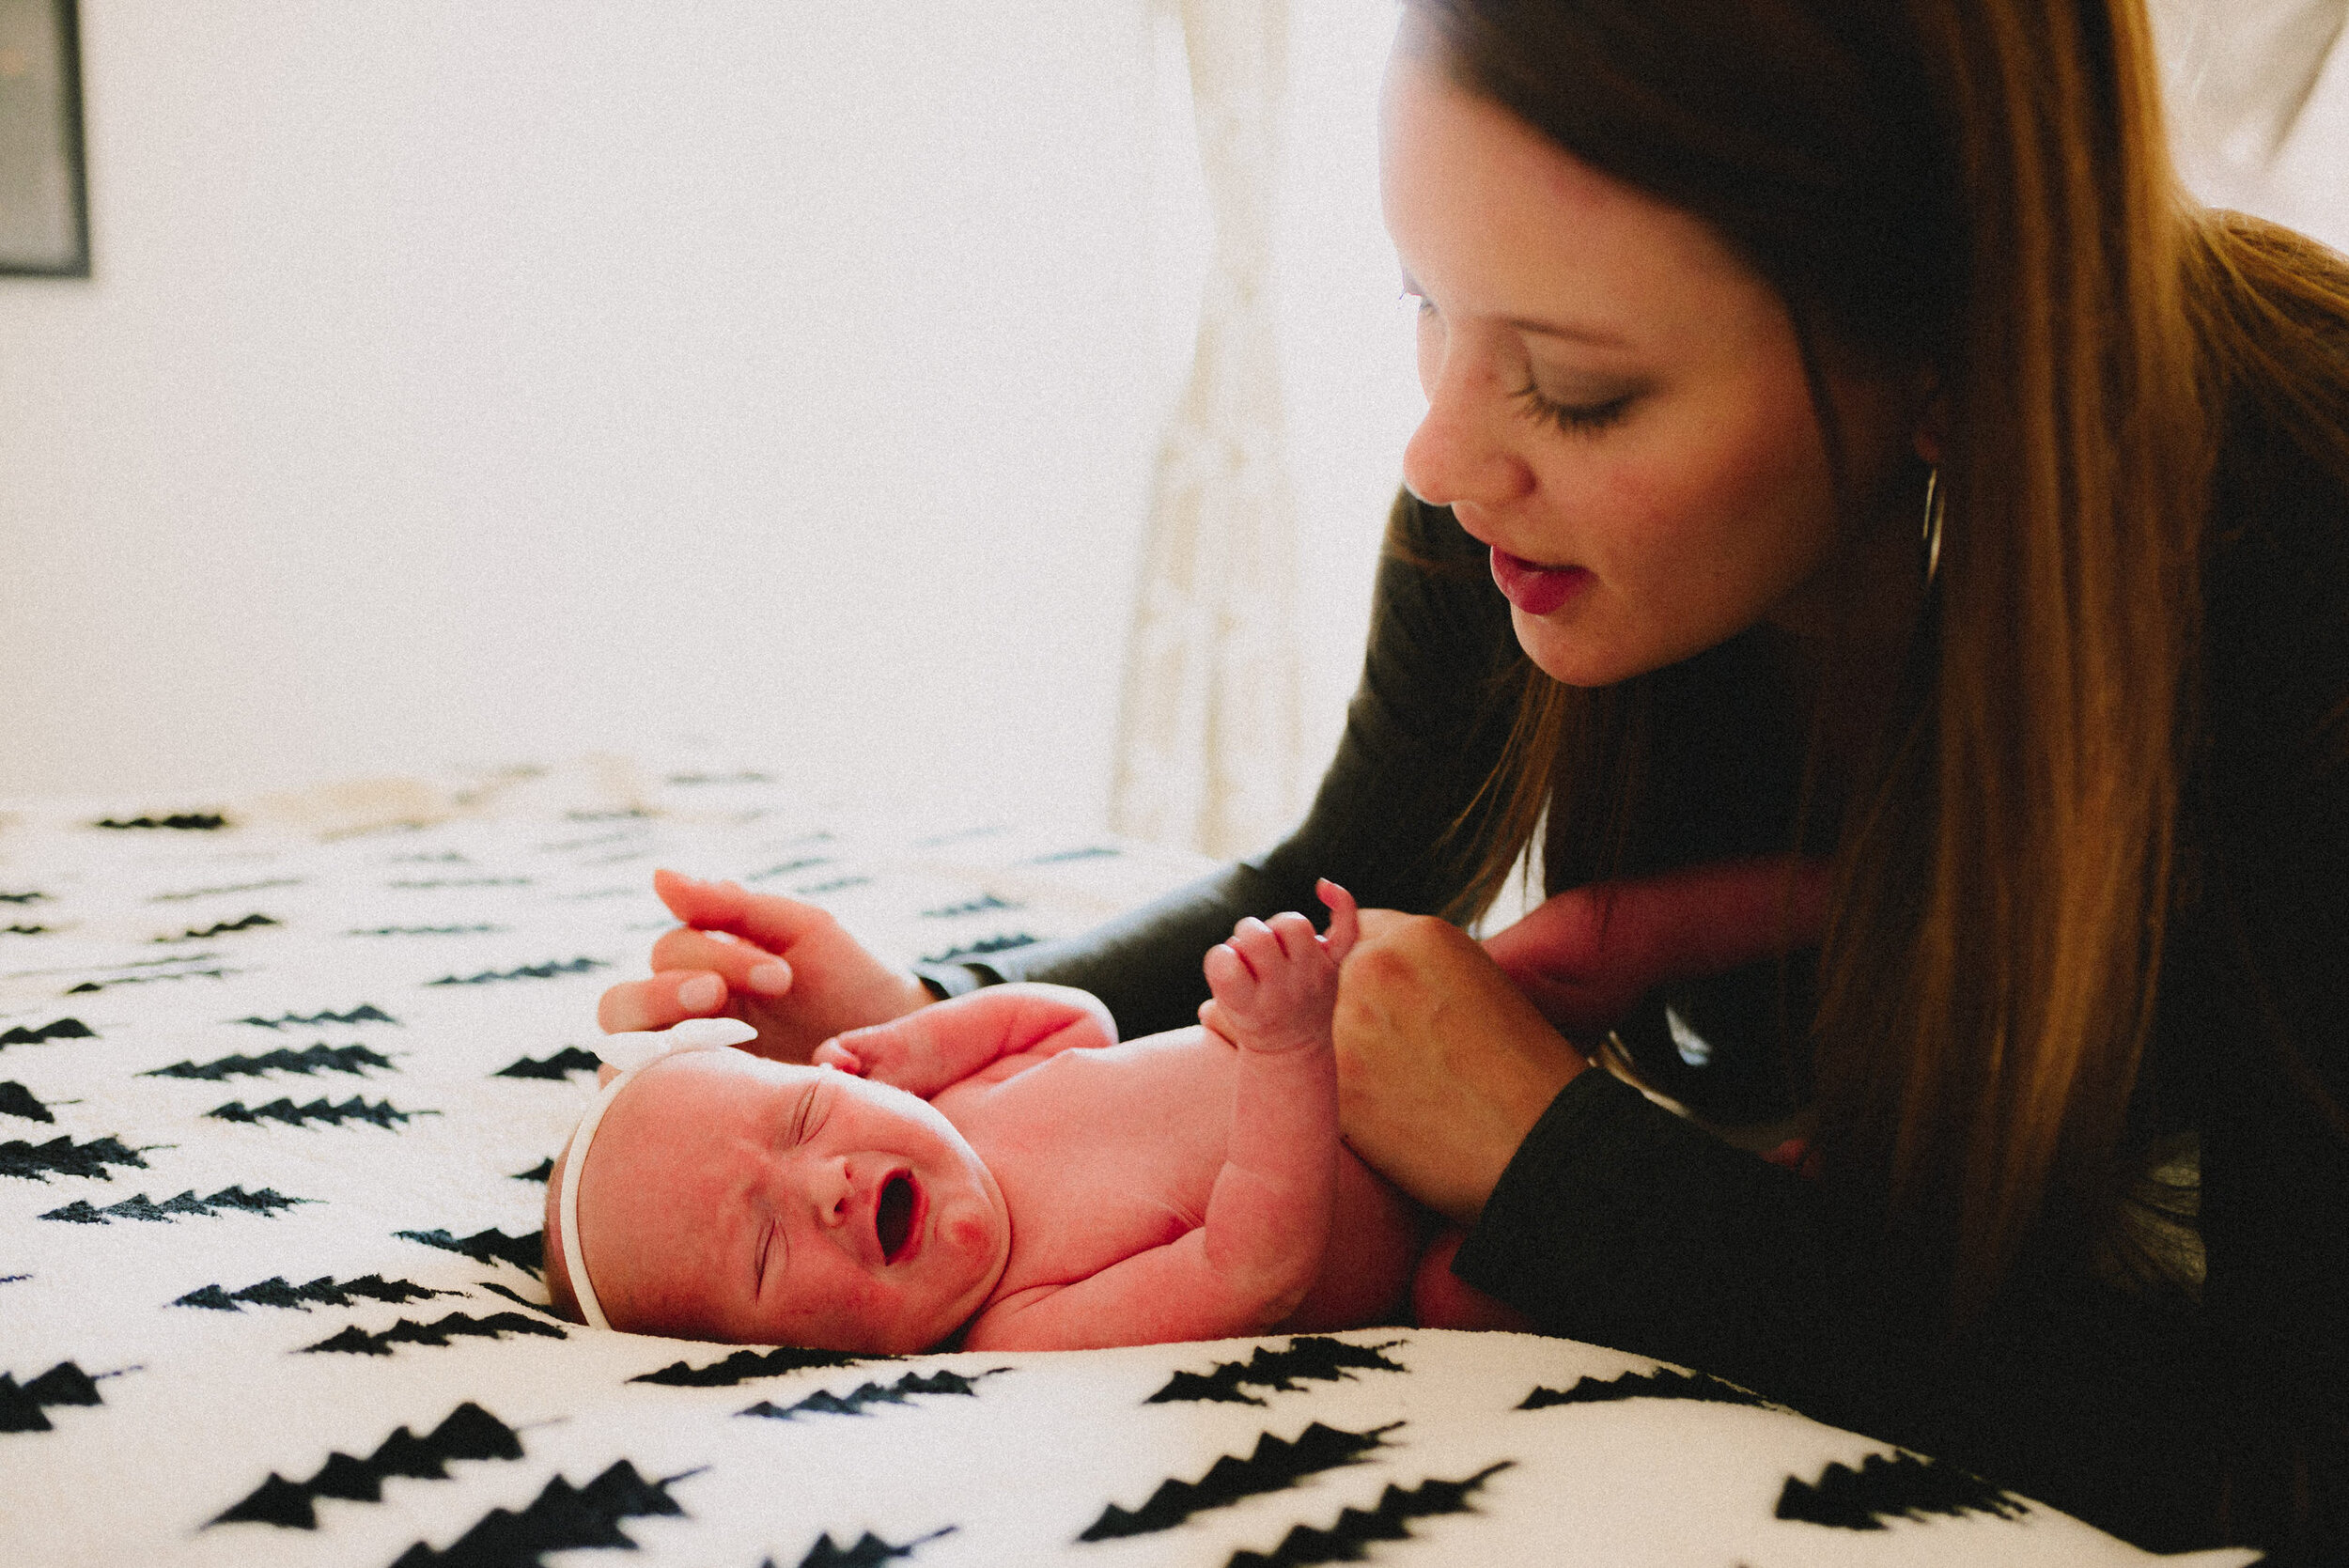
(279, 1083)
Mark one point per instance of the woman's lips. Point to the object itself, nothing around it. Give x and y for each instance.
(1535, 590)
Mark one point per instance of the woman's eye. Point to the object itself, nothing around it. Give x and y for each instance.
(1574, 418)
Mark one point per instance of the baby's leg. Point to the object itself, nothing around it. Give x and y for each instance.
(1441, 1299)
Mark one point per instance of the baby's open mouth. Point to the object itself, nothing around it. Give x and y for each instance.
(893, 1215)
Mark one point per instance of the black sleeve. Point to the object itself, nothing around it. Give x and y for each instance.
(1424, 730)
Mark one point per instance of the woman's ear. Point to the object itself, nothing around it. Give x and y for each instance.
(1931, 434)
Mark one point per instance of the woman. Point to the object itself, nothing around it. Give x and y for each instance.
(1922, 533)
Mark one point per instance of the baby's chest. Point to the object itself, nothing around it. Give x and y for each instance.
(1101, 1157)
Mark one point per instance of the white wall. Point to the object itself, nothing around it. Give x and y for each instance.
(469, 383)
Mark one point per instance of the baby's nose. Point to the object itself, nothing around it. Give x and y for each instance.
(831, 1191)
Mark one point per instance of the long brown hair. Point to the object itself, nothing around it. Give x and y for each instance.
(1981, 187)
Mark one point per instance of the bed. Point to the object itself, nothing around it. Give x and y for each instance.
(279, 1083)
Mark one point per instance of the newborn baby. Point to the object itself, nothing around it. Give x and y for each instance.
(997, 1166)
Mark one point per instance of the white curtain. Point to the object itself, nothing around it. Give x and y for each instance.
(1207, 727)
(2256, 93)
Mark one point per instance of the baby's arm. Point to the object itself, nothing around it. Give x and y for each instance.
(947, 1041)
(1268, 1222)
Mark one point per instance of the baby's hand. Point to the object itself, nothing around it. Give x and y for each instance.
(832, 1054)
(1276, 983)
(890, 1053)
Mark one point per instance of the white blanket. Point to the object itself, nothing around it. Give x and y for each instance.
(278, 1081)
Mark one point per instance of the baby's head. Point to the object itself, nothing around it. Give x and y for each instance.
(728, 1196)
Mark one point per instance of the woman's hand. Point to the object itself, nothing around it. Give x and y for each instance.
(786, 968)
(1585, 955)
(1444, 1065)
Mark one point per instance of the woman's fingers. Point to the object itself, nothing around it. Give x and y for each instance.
(670, 997)
(744, 966)
(1587, 954)
(774, 923)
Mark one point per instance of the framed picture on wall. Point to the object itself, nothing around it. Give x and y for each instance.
(44, 206)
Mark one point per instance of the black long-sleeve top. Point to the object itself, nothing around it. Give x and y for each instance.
(2173, 1422)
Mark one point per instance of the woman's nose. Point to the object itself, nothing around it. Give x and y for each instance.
(1462, 450)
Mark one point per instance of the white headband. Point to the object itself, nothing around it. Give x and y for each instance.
(630, 1053)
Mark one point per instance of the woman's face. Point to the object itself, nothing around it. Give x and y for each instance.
(1616, 402)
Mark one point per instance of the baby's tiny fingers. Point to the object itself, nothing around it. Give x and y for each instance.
(832, 1054)
(1225, 968)
(1295, 932)
(1345, 921)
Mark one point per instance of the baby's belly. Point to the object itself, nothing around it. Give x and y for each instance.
(1375, 1238)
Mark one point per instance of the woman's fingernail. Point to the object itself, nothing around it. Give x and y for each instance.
(770, 978)
(701, 993)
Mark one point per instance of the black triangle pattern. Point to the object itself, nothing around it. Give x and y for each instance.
(426, 931)
(22, 897)
(1663, 1383)
(1903, 1486)
(320, 1058)
(266, 1203)
(366, 1011)
(528, 971)
(988, 944)
(468, 1432)
(249, 922)
(1348, 1540)
(1311, 1357)
(824, 1403)
(745, 1365)
(562, 1064)
(869, 1551)
(322, 1291)
(562, 1517)
(1275, 1465)
(64, 1028)
(544, 1308)
(543, 1171)
(17, 1100)
(216, 972)
(62, 1156)
(185, 894)
(355, 1109)
(356, 1341)
(978, 905)
(489, 1246)
(787, 868)
(63, 1384)
(183, 821)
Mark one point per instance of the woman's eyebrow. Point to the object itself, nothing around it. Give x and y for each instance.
(1576, 334)
(1571, 332)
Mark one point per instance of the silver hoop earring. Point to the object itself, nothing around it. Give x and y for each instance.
(1936, 503)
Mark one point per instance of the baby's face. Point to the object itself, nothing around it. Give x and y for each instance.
(728, 1196)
